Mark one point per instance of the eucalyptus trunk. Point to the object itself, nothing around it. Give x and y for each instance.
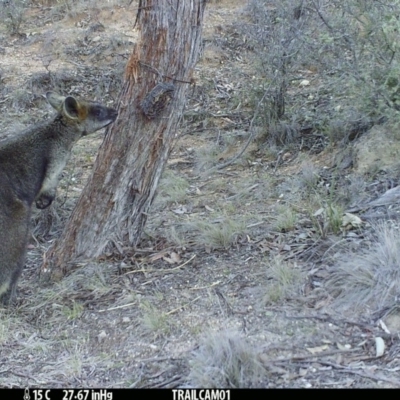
(114, 205)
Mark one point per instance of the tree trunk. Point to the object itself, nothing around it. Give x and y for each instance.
(113, 207)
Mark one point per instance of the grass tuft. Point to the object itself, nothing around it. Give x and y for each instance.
(173, 188)
(219, 235)
(370, 279)
(225, 360)
(284, 280)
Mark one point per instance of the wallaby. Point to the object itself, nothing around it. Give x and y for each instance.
(30, 167)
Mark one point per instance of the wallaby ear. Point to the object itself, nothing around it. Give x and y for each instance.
(71, 107)
(55, 100)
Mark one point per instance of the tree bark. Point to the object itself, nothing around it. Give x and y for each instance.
(113, 207)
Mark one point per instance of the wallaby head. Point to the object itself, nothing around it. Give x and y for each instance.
(87, 116)
(30, 167)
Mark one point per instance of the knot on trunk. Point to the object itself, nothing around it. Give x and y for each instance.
(157, 99)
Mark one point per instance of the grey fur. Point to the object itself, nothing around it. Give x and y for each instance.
(30, 167)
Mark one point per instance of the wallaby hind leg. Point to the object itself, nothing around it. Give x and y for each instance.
(10, 295)
(13, 241)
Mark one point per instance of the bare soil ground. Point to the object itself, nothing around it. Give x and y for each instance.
(228, 286)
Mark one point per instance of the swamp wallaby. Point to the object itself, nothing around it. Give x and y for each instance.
(30, 167)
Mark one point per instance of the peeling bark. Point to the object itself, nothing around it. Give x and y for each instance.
(113, 207)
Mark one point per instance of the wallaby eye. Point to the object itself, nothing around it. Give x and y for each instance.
(98, 112)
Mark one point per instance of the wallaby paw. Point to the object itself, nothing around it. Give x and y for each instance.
(44, 201)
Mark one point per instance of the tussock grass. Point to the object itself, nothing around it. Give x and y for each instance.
(370, 279)
(74, 311)
(92, 282)
(207, 157)
(325, 211)
(286, 218)
(249, 189)
(177, 236)
(173, 188)
(155, 320)
(309, 178)
(284, 280)
(218, 235)
(352, 192)
(225, 360)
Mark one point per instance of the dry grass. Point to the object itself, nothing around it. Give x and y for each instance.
(286, 218)
(154, 320)
(369, 279)
(207, 157)
(283, 281)
(173, 188)
(225, 360)
(220, 234)
(308, 178)
(12, 13)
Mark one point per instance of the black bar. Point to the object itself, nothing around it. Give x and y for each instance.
(168, 394)
(117, 394)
